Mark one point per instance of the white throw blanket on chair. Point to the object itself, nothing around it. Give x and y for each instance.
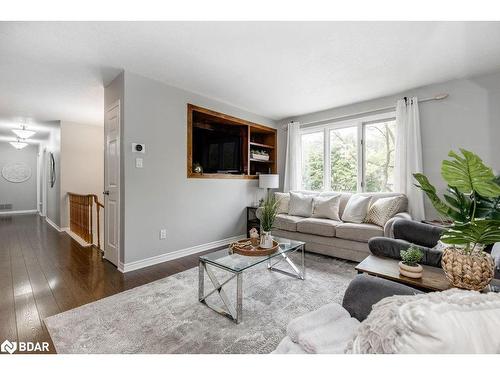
(323, 331)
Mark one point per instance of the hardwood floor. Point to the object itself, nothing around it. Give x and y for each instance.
(44, 272)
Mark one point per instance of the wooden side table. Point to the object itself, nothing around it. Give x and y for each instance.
(252, 220)
(438, 223)
(433, 278)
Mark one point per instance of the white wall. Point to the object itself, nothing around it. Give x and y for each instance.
(82, 163)
(194, 211)
(21, 195)
(469, 118)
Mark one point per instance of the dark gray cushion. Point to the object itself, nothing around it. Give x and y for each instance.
(391, 248)
(364, 291)
(417, 233)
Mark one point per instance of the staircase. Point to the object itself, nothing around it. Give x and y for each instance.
(81, 217)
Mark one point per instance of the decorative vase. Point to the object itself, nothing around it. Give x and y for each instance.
(467, 271)
(266, 240)
(414, 272)
(197, 168)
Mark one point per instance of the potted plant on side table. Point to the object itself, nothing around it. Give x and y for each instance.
(268, 212)
(472, 202)
(409, 266)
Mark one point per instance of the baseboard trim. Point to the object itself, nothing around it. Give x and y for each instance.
(21, 212)
(132, 266)
(77, 238)
(52, 224)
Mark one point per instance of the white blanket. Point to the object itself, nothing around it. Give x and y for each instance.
(318, 318)
(324, 331)
(330, 339)
(287, 346)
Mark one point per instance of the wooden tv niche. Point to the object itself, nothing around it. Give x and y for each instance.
(225, 146)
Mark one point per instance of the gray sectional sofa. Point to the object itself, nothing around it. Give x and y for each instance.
(335, 238)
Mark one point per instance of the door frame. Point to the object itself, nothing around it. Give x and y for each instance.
(118, 198)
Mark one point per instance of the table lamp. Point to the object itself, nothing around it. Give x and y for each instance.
(269, 181)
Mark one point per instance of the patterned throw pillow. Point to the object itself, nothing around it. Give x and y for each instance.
(284, 200)
(383, 209)
(326, 207)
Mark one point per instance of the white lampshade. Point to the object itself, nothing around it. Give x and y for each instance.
(269, 181)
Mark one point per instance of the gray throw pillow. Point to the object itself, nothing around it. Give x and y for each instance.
(326, 207)
(284, 200)
(356, 209)
(300, 204)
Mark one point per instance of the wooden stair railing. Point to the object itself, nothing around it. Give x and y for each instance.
(81, 216)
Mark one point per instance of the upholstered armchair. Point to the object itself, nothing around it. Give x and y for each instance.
(423, 236)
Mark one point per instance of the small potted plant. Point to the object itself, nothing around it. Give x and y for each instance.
(409, 266)
(269, 210)
(472, 202)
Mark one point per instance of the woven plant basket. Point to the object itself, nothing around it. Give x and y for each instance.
(472, 272)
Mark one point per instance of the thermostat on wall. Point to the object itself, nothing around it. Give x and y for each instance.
(139, 147)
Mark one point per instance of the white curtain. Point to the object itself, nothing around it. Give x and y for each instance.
(408, 156)
(293, 158)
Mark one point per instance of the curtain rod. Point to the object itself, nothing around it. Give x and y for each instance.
(345, 117)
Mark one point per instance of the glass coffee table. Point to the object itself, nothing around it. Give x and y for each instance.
(236, 264)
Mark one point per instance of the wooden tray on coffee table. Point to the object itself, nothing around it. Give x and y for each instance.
(251, 250)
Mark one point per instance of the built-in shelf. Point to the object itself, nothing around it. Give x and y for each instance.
(261, 145)
(262, 161)
(253, 136)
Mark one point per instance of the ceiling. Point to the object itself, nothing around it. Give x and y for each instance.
(56, 70)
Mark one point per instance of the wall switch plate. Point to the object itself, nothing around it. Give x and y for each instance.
(138, 162)
(139, 147)
(163, 234)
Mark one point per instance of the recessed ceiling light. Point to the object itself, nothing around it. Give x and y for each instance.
(23, 133)
(19, 145)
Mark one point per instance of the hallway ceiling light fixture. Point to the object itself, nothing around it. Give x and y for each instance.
(23, 132)
(18, 144)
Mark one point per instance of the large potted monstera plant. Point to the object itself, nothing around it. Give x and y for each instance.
(472, 202)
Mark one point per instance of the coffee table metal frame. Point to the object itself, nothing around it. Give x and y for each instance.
(234, 312)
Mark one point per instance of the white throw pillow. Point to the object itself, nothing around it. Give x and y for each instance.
(326, 207)
(453, 321)
(284, 200)
(384, 208)
(356, 209)
(300, 204)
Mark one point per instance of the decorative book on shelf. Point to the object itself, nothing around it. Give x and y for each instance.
(223, 146)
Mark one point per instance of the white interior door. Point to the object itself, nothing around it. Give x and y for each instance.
(112, 183)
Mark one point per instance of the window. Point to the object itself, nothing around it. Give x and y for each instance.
(352, 156)
(379, 156)
(312, 146)
(344, 159)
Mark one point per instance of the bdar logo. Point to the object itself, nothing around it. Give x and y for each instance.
(8, 347)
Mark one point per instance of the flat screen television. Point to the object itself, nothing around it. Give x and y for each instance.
(218, 149)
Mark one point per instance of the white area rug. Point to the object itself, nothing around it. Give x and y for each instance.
(166, 317)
